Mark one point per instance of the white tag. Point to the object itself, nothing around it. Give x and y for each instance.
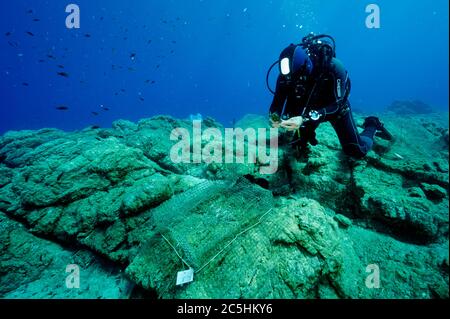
(184, 277)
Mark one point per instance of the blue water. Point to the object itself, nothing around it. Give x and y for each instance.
(207, 57)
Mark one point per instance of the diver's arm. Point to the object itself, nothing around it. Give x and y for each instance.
(279, 99)
(342, 88)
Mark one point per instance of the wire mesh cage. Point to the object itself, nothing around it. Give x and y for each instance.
(195, 227)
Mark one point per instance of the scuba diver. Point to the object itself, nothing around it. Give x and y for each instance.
(313, 87)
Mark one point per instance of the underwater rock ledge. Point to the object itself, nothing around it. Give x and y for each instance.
(103, 198)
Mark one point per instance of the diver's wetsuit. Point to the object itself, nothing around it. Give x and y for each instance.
(328, 94)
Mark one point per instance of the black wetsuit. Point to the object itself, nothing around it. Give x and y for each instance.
(326, 92)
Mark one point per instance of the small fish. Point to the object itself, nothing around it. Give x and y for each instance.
(25, 84)
(141, 98)
(63, 74)
(62, 108)
(30, 11)
(31, 34)
(174, 42)
(95, 127)
(61, 66)
(149, 41)
(123, 90)
(13, 44)
(158, 66)
(87, 35)
(133, 56)
(95, 113)
(41, 61)
(105, 109)
(8, 34)
(51, 57)
(36, 20)
(399, 156)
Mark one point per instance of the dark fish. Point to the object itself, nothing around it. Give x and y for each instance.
(95, 127)
(105, 109)
(174, 42)
(51, 56)
(133, 56)
(87, 35)
(41, 61)
(62, 108)
(158, 66)
(149, 41)
(61, 66)
(95, 113)
(13, 44)
(7, 34)
(172, 51)
(30, 33)
(36, 20)
(25, 84)
(63, 74)
(131, 69)
(123, 90)
(30, 11)
(141, 98)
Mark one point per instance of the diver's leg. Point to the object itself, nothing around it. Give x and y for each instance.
(308, 134)
(354, 144)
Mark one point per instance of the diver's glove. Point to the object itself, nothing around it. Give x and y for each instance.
(293, 124)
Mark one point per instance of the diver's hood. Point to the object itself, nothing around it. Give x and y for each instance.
(295, 61)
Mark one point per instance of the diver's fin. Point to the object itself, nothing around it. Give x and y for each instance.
(384, 133)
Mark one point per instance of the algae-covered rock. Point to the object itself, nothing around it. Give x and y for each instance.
(323, 226)
(35, 268)
(410, 107)
(434, 192)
